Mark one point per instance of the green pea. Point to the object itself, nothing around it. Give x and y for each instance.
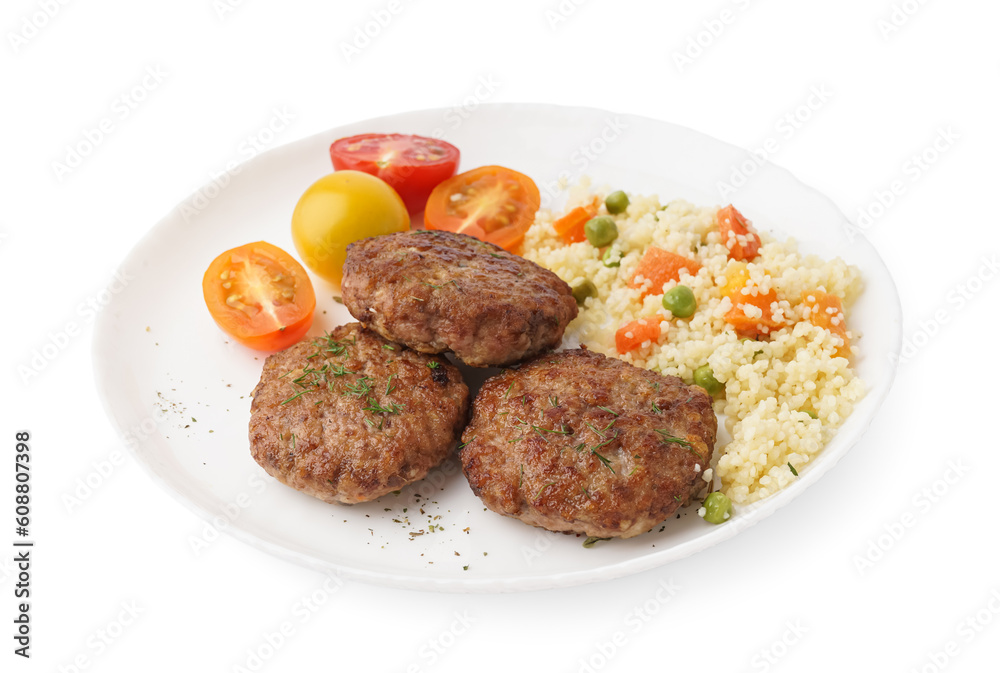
(616, 202)
(584, 289)
(705, 377)
(600, 231)
(680, 301)
(717, 507)
(611, 258)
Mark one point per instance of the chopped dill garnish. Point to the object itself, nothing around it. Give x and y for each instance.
(433, 364)
(551, 483)
(656, 409)
(605, 461)
(677, 498)
(790, 467)
(591, 541)
(667, 438)
(361, 388)
(563, 431)
(509, 388)
(608, 410)
(389, 347)
(377, 408)
(296, 396)
(521, 477)
(554, 401)
(389, 387)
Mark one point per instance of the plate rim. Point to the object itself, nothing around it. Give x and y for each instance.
(752, 514)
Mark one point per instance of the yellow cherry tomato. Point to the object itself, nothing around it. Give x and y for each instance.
(339, 209)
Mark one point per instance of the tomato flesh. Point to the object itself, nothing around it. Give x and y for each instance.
(412, 165)
(259, 295)
(492, 203)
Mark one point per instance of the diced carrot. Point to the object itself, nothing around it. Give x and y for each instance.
(737, 234)
(632, 335)
(570, 226)
(827, 311)
(661, 266)
(753, 326)
(737, 275)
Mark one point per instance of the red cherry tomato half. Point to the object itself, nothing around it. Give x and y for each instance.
(492, 203)
(259, 295)
(412, 165)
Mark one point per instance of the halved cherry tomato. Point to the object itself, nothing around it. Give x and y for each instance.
(738, 235)
(492, 203)
(412, 165)
(259, 295)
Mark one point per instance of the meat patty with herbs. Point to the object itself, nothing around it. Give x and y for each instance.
(578, 442)
(350, 416)
(438, 291)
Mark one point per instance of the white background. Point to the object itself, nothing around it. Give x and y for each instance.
(791, 589)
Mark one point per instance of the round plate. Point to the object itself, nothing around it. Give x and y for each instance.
(178, 390)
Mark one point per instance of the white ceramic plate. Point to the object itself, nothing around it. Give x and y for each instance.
(178, 391)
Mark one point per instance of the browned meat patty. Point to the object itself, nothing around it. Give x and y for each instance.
(349, 417)
(437, 291)
(575, 441)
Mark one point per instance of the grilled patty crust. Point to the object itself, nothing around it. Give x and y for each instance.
(349, 416)
(576, 441)
(437, 291)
